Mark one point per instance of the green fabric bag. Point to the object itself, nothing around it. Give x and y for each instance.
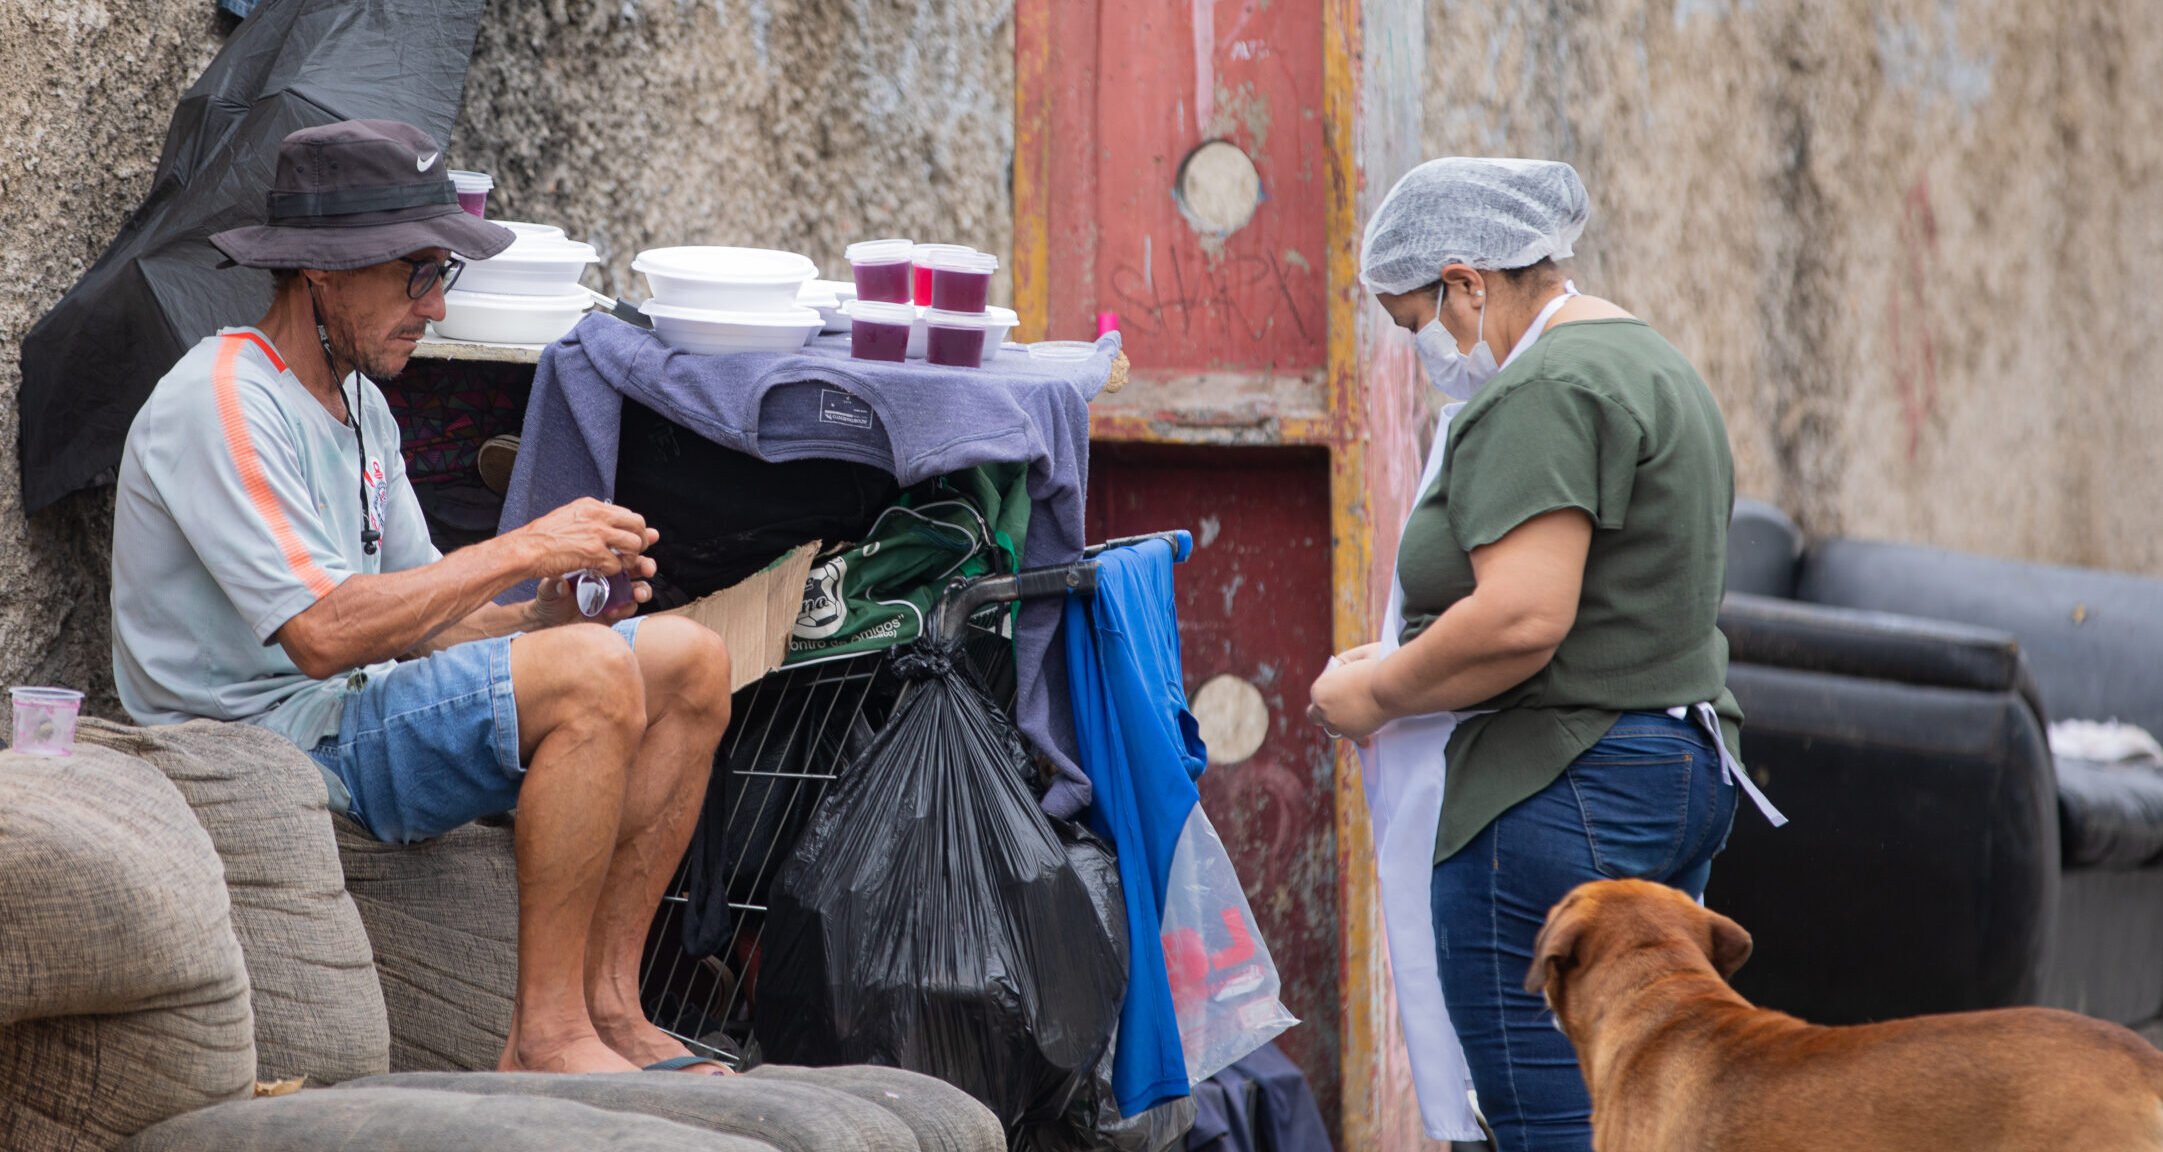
(874, 594)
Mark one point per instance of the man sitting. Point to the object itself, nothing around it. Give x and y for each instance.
(261, 573)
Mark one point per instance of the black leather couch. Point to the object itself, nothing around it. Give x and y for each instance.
(1938, 860)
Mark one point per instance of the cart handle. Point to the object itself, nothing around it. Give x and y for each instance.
(960, 602)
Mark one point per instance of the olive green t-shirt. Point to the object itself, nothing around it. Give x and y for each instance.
(1606, 417)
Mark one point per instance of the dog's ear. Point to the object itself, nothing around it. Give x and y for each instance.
(1554, 951)
(1730, 944)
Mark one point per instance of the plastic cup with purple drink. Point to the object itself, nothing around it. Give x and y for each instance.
(882, 269)
(955, 339)
(961, 281)
(879, 330)
(924, 257)
(473, 188)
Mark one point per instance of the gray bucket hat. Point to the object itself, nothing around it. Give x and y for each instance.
(356, 194)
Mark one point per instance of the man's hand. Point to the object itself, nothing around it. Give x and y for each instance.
(554, 604)
(586, 533)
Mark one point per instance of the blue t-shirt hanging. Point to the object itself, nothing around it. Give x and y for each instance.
(1142, 751)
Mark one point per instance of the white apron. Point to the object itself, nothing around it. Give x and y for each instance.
(1402, 768)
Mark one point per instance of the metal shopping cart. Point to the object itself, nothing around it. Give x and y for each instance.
(795, 732)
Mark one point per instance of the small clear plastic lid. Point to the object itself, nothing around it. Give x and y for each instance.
(879, 312)
(939, 318)
(928, 255)
(1062, 350)
(964, 260)
(879, 251)
(470, 182)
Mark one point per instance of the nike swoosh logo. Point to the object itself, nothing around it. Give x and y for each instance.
(422, 164)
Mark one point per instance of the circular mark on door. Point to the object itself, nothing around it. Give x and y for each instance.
(1233, 718)
(1219, 188)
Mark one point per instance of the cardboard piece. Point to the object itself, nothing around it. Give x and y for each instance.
(755, 616)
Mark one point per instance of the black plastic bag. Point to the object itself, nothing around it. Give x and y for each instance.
(1092, 1122)
(930, 919)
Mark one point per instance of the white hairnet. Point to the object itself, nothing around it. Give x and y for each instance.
(1475, 210)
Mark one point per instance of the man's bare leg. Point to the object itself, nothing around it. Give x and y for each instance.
(581, 711)
(685, 670)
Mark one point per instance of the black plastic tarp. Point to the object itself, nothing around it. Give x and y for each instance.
(89, 364)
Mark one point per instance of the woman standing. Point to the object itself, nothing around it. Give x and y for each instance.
(1558, 578)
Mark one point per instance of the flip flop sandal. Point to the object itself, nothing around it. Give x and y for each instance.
(685, 1063)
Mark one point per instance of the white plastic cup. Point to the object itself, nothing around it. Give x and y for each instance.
(45, 720)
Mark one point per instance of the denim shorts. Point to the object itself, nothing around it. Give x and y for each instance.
(433, 743)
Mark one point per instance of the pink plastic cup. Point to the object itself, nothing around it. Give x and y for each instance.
(879, 330)
(961, 282)
(882, 270)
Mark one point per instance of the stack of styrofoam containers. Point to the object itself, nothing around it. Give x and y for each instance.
(708, 299)
(526, 294)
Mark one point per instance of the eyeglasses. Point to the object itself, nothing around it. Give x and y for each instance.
(427, 272)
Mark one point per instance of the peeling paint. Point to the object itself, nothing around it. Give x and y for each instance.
(1210, 526)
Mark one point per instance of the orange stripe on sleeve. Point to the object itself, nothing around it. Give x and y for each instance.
(250, 467)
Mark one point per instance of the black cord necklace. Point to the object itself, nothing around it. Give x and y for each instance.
(368, 535)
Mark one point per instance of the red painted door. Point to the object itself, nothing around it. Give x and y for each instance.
(1254, 603)
(1220, 269)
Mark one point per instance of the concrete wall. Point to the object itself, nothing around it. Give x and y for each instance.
(1906, 241)
(632, 123)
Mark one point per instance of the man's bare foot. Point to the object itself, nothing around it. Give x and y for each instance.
(585, 1054)
(641, 1043)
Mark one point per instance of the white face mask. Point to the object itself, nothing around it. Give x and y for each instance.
(1459, 375)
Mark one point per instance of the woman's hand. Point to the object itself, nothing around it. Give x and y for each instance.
(1342, 697)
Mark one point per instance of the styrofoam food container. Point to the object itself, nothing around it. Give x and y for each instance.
(998, 322)
(819, 297)
(535, 264)
(500, 318)
(708, 330)
(725, 279)
(524, 228)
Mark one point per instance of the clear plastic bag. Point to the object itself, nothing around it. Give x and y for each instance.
(1224, 984)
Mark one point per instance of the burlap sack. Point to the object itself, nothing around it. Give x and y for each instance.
(442, 916)
(407, 1120)
(123, 994)
(943, 1117)
(793, 1117)
(318, 1009)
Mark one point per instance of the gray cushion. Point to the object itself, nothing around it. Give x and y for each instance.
(792, 1117)
(406, 1120)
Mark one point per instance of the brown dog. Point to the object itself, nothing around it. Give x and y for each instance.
(1677, 1062)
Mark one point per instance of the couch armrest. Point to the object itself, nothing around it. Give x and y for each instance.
(1920, 870)
(1878, 645)
(1807, 637)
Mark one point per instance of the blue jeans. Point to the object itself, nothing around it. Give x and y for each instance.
(1648, 801)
